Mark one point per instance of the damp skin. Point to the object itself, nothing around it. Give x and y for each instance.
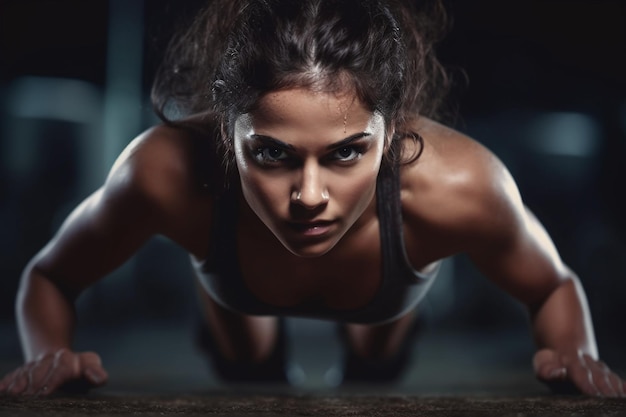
(308, 163)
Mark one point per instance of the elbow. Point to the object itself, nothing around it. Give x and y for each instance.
(563, 283)
(25, 288)
(36, 286)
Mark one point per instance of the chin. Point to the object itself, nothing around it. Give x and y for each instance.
(310, 250)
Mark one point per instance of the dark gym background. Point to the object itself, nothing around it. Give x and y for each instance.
(546, 93)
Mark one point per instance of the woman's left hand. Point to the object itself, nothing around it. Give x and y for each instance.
(587, 375)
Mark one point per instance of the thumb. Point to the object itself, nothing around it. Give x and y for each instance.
(92, 369)
(548, 366)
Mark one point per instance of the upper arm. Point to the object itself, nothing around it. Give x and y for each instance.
(110, 225)
(508, 243)
(470, 204)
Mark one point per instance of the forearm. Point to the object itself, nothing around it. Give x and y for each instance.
(563, 322)
(45, 316)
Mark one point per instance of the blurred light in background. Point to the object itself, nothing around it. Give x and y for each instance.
(123, 91)
(565, 134)
(564, 147)
(31, 104)
(53, 98)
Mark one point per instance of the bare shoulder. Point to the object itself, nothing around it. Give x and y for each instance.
(156, 155)
(164, 162)
(168, 171)
(458, 186)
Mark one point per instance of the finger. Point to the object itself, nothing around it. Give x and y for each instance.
(37, 374)
(600, 375)
(608, 382)
(44, 388)
(25, 377)
(617, 384)
(8, 378)
(603, 383)
(92, 375)
(96, 376)
(548, 367)
(93, 370)
(582, 377)
(65, 367)
(19, 383)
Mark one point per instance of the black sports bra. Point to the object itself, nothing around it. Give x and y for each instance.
(401, 287)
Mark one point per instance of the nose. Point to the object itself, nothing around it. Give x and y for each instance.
(310, 192)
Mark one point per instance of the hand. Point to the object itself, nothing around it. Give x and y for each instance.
(577, 372)
(64, 370)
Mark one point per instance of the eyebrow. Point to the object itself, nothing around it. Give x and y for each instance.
(280, 144)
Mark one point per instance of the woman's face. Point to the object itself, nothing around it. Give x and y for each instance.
(308, 163)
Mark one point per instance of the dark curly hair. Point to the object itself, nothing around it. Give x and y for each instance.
(237, 50)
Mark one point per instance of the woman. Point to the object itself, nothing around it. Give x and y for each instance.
(305, 178)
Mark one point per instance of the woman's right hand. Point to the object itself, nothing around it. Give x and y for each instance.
(63, 369)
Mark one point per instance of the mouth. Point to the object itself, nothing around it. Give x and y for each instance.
(312, 228)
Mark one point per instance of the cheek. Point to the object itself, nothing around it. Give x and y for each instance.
(265, 195)
(356, 192)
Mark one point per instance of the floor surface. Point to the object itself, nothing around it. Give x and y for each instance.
(156, 371)
(234, 405)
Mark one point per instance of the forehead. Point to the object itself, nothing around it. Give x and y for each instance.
(301, 106)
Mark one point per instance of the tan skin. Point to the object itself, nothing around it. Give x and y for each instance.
(457, 197)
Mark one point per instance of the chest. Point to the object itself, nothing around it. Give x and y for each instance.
(347, 277)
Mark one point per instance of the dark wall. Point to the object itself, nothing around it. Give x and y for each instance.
(546, 91)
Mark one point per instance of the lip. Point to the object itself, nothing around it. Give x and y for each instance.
(312, 228)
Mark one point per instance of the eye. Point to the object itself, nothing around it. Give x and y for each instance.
(348, 153)
(269, 155)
